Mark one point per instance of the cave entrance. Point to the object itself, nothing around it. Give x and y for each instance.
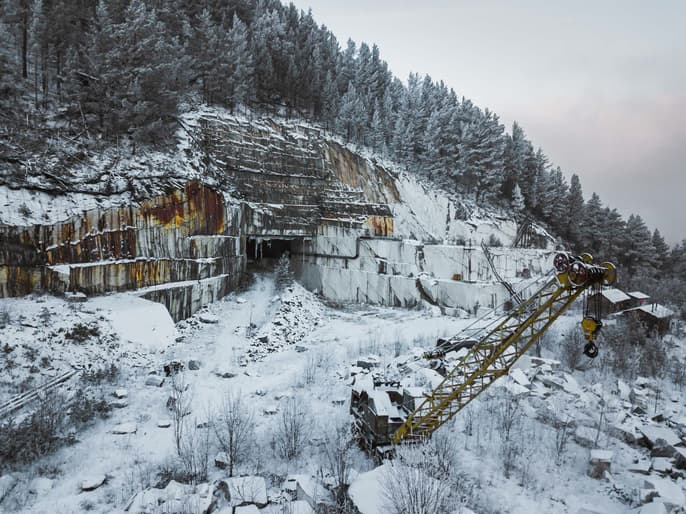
(265, 252)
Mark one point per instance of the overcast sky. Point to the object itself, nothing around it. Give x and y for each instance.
(599, 85)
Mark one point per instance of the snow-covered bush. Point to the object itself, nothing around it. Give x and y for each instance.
(234, 428)
(292, 429)
(194, 451)
(409, 486)
(37, 435)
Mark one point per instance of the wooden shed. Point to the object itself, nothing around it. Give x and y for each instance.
(611, 301)
(653, 315)
(638, 298)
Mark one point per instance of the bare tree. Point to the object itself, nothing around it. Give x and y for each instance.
(563, 431)
(179, 403)
(292, 429)
(194, 452)
(338, 450)
(234, 428)
(508, 423)
(408, 487)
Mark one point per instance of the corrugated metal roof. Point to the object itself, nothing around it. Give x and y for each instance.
(615, 295)
(383, 404)
(654, 309)
(638, 295)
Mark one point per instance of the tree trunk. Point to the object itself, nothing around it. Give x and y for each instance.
(25, 43)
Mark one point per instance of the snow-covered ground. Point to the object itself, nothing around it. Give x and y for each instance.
(275, 345)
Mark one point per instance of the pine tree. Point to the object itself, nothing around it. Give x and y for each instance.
(481, 156)
(514, 160)
(591, 225)
(210, 47)
(517, 198)
(377, 138)
(140, 71)
(639, 250)
(559, 196)
(242, 67)
(350, 115)
(575, 211)
(661, 250)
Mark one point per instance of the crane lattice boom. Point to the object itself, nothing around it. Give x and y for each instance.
(491, 354)
(499, 348)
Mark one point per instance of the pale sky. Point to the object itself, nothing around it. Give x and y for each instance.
(599, 85)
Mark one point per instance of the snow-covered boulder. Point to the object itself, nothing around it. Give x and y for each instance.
(366, 491)
(154, 381)
(662, 465)
(669, 492)
(585, 436)
(120, 393)
(125, 428)
(206, 317)
(247, 490)
(660, 440)
(222, 460)
(93, 482)
(40, 486)
(600, 462)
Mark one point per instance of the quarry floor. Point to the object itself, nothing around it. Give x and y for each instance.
(269, 343)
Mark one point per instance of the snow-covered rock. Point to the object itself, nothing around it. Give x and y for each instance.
(670, 493)
(662, 465)
(249, 489)
(585, 436)
(121, 393)
(7, 483)
(206, 317)
(41, 486)
(125, 428)
(600, 461)
(661, 440)
(154, 381)
(93, 482)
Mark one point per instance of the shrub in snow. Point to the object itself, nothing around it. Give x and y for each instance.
(234, 429)
(408, 485)
(292, 429)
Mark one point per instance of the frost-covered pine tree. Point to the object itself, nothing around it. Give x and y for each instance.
(591, 224)
(575, 210)
(517, 199)
(661, 249)
(639, 250)
(240, 60)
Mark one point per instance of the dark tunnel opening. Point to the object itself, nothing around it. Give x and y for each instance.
(266, 252)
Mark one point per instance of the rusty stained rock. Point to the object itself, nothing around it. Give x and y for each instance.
(380, 226)
(197, 208)
(23, 280)
(122, 276)
(355, 171)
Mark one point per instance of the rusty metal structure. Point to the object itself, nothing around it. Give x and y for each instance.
(386, 416)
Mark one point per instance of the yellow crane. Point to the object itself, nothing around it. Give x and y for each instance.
(488, 357)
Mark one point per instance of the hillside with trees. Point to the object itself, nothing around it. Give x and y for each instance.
(78, 74)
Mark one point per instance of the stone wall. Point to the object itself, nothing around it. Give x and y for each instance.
(398, 272)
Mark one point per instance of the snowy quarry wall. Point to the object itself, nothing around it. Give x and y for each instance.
(403, 273)
(176, 227)
(191, 234)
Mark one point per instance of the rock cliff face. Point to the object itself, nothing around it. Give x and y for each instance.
(235, 191)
